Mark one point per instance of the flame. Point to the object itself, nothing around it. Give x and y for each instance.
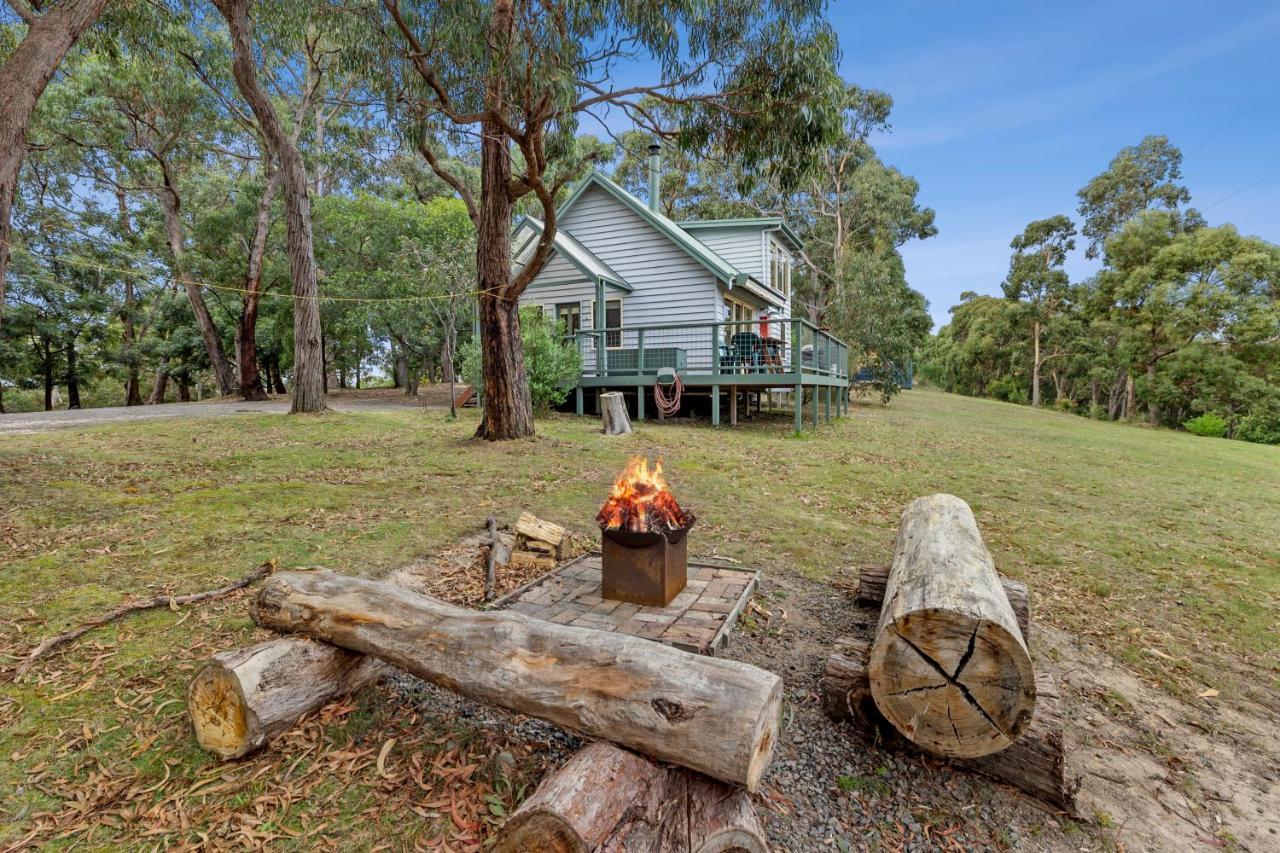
(640, 500)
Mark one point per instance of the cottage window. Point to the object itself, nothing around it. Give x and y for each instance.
(612, 320)
(569, 318)
(739, 315)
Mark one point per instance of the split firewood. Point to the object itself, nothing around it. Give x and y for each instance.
(242, 697)
(872, 580)
(534, 533)
(1035, 763)
(716, 716)
(524, 561)
(608, 800)
(949, 668)
(171, 601)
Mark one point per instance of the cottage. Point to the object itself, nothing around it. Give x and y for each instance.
(648, 299)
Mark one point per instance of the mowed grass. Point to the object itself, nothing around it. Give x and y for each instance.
(1160, 547)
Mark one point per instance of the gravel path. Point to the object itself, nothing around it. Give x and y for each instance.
(827, 789)
(29, 422)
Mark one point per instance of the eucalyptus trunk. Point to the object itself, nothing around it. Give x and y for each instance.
(73, 375)
(308, 357)
(508, 408)
(23, 79)
(171, 207)
(161, 385)
(251, 387)
(1153, 407)
(1035, 364)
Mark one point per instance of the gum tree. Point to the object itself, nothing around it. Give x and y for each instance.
(754, 79)
(1037, 280)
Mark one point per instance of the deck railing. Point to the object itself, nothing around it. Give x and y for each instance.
(759, 347)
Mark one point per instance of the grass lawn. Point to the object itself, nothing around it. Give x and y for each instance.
(1160, 547)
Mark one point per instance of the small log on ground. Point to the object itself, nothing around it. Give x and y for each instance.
(716, 716)
(613, 411)
(607, 799)
(872, 580)
(949, 668)
(242, 697)
(1036, 763)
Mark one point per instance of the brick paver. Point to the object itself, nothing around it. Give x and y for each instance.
(695, 620)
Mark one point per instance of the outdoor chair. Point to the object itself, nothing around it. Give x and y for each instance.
(744, 352)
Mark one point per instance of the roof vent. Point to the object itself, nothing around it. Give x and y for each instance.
(655, 177)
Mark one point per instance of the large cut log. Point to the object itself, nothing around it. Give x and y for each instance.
(1036, 763)
(872, 580)
(716, 716)
(243, 697)
(613, 411)
(949, 668)
(606, 799)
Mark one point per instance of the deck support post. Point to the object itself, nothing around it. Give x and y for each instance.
(798, 394)
(815, 407)
(733, 405)
(577, 400)
(826, 402)
(639, 402)
(715, 405)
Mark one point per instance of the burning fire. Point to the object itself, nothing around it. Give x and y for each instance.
(640, 501)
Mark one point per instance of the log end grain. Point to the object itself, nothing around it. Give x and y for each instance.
(955, 685)
(219, 713)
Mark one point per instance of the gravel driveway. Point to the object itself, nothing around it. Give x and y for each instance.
(29, 422)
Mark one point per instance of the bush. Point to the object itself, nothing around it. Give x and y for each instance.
(1066, 404)
(1208, 424)
(1098, 412)
(1261, 428)
(1009, 389)
(552, 364)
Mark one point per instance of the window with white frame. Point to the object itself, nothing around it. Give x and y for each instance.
(612, 320)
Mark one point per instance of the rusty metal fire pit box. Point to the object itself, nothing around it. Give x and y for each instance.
(648, 568)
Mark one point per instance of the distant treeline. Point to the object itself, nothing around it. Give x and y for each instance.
(1181, 326)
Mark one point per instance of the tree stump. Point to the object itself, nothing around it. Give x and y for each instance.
(1035, 763)
(949, 668)
(716, 716)
(613, 411)
(243, 697)
(607, 799)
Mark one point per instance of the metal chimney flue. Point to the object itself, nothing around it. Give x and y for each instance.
(655, 177)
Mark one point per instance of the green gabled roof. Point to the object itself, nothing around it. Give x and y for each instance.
(573, 251)
(765, 223)
(694, 247)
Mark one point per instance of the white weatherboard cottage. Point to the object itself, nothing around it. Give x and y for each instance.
(710, 300)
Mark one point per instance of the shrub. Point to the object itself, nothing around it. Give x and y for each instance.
(1098, 412)
(1066, 404)
(1208, 424)
(1009, 389)
(553, 365)
(1260, 428)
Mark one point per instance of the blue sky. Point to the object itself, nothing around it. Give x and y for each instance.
(1003, 111)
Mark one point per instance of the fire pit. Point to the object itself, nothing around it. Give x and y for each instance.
(644, 555)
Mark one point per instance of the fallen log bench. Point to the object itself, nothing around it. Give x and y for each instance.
(949, 668)
(240, 698)
(608, 799)
(1035, 763)
(873, 579)
(712, 715)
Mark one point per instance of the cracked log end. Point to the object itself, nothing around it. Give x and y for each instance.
(957, 686)
(218, 713)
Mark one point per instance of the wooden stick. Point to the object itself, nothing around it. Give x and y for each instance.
(716, 716)
(135, 606)
(491, 575)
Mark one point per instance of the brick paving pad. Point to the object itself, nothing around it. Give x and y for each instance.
(699, 619)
